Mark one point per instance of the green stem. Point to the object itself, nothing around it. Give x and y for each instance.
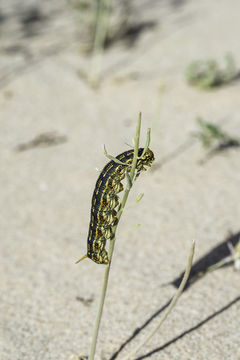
(112, 243)
(101, 29)
(99, 315)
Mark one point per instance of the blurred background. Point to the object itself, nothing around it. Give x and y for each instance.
(74, 75)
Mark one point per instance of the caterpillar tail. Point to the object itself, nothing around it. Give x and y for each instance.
(82, 258)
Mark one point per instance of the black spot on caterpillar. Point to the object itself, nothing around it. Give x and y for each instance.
(105, 200)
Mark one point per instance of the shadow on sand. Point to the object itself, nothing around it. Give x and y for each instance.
(216, 254)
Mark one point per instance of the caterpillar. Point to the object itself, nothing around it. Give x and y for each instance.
(103, 215)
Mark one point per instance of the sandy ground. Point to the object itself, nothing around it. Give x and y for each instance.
(47, 304)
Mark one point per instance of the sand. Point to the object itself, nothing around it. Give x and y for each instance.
(48, 304)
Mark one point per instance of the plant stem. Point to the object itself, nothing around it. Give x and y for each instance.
(99, 315)
(102, 20)
(112, 243)
(171, 305)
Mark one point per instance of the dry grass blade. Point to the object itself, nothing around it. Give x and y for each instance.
(171, 305)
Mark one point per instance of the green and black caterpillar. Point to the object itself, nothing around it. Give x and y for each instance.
(105, 199)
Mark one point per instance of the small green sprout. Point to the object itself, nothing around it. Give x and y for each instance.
(207, 74)
(213, 137)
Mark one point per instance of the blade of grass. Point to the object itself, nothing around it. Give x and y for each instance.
(101, 29)
(148, 140)
(171, 305)
(112, 157)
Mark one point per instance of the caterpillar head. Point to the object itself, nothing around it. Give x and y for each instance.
(147, 158)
